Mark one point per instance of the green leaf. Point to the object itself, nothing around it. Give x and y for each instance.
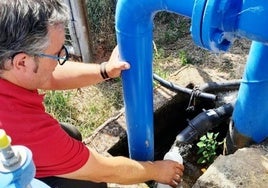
(200, 150)
(200, 144)
(210, 135)
(201, 161)
(216, 135)
(203, 138)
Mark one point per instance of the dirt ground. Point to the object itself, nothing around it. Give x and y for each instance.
(221, 66)
(225, 66)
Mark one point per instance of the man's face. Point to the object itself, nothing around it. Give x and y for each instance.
(47, 65)
(33, 72)
(36, 71)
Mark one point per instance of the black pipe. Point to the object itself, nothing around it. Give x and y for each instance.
(220, 86)
(201, 91)
(204, 122)
(176, 88)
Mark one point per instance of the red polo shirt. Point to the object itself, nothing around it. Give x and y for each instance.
(23, 117)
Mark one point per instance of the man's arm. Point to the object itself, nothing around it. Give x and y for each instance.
(73, 75)
(123, 170)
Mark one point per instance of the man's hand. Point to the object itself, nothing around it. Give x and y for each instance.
(114, 66)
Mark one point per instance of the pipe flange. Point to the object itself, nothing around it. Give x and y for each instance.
(208, 25)
(197, 19)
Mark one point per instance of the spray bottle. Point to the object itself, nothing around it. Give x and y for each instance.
(174, 155)
(16, 165)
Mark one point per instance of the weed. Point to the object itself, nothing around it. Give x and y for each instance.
(57, 104)
(86, 108)
(172, 28)
(208, 145)
(102, 16)
(184, 58)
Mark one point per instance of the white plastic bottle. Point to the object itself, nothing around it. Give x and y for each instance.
(172, 154)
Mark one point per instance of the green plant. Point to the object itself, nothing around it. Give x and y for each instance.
(57, 104)
(102, 22)
(159, 53)
(158, 57)
(208, 145)
(184, 58)
(169, 28)
(86, 108)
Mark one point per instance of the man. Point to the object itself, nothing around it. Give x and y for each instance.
(32, 57)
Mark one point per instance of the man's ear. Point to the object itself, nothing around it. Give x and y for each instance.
(19, 61)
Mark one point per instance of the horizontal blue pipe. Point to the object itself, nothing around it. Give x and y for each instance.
(252, 20)
(134, 29)
(216, 24)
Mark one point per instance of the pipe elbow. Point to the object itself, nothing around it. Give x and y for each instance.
(136, 16)
(128, 21)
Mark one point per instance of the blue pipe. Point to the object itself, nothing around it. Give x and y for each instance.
(134, 29)
(219, 24)
(215, 25)
(253, 18)
(250, 116)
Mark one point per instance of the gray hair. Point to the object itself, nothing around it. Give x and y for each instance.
(24, 25)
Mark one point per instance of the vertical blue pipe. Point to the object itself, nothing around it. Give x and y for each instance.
(250, 109)
(249, 115)
(134, 29)
(138, 94)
